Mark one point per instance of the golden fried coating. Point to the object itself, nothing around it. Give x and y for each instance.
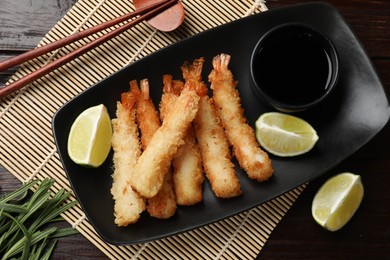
(125, 143)
(212, 142)
(240, 135)
(163, 205)
(148, 173)
(215, 152)
(187, 164)
(146, 115)
(195, 136)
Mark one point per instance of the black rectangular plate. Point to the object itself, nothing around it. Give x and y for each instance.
(356, 112)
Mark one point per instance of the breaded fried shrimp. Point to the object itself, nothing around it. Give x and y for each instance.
(171, 91)
(212, 142)
(152, 165)
(163, 205)
(241, 136)
(187, 164)
(128, 205)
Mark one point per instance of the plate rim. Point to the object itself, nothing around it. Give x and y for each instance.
(144, 59)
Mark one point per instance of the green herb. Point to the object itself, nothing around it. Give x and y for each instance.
(24, 218)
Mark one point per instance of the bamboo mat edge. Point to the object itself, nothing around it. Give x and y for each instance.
(241, 236)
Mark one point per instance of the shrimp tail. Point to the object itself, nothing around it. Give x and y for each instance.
(241, 136)
(213, 146)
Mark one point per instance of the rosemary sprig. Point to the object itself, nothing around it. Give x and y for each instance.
(23, 217)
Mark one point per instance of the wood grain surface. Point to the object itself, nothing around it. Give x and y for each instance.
(367, 236)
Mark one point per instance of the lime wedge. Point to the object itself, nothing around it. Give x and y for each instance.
(89, 139)
(285, 135)
(337, 200)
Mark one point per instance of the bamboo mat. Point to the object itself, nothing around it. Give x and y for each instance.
(27, 147)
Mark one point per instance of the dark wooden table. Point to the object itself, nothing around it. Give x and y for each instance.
(367, 236)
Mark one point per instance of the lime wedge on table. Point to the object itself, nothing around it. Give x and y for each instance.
(337, 200)
(89, 139)
(285, 135)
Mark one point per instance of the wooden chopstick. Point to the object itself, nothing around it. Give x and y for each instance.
(145, 13)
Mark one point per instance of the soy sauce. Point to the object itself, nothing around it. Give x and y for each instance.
(293, 67)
